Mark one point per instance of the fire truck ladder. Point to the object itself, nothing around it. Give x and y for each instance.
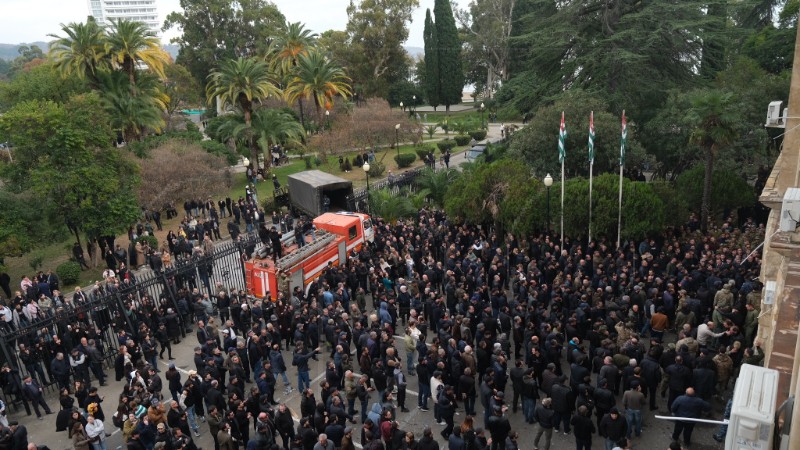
(323, 238)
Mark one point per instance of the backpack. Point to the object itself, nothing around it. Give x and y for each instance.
(439, 392)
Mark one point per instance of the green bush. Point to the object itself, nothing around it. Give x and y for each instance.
(69, 272)
(149, 240)
(221, 150)
(462, 139)
(447, 144)
(478, 135)
(376, 169)
(308, 159)
(405, 159)
(422, 152)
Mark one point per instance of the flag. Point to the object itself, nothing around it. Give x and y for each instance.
(623, 140)
(591, 138)
(562, 140)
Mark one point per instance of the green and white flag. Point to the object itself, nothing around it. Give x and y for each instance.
(623, 140)
(562, 140)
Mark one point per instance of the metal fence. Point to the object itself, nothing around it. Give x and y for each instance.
(111, 307)
(358, 201)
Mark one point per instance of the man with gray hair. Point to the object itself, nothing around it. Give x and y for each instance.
(323, 443)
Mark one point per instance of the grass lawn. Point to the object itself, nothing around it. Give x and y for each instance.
(437, 117)
(51, 257)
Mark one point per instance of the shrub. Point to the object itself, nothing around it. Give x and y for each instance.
(309, 160)
(317, 161)
(149, 240)
(359, 161)
(478, 135)
(447, 144)
(405, 159)
(376, 169)
(69, 272)
(221, 150)
(422, 152)
(462, 139)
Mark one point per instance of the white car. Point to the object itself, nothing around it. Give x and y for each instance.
(476, 151)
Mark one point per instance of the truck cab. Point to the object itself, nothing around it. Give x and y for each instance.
(356, 228)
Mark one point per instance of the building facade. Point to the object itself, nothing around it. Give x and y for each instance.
(780, 309)
(104, 11)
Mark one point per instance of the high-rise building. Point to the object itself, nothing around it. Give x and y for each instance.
(104, 11)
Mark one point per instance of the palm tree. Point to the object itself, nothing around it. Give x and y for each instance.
(133, 115)
(82, 52)
(269, 127)
(242, 82)
(319, 78)
(436, 183)
(131, 43)
(286, 48)
(390, 207)
(716, 119)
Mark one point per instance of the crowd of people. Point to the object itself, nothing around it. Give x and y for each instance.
(577, 338)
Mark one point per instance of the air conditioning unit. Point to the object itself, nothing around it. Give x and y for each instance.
(770, 291)
(753, 410)
(790, 211)
(774, 118)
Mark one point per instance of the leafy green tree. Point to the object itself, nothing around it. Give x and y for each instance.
(432, 87)
(713, 114)
(62, 156)
(82, 51)
(536, 144)
(182, 90)
(373, 51)
(451, 75)
(23, 228)
(729, 190)
(241, 82)
(42, 82)
(609, 48)
(218, 30)
(486, 28)
(477, 197)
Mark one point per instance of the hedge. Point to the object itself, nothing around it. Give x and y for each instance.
(404, 160)
(69, 273)
(447, 144)
(462, 139)
(478, 135)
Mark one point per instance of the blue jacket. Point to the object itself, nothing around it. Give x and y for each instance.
(689, 406)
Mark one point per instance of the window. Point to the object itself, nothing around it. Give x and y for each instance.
(367, 224)
(352, 232)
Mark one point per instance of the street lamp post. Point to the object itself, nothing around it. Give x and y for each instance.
(402, 107)
(413, 104)
(548, 181)
(366, 171)
(327, 119)
(397, 138)
(483, 111)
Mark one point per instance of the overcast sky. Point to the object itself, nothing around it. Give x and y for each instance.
(33, 20)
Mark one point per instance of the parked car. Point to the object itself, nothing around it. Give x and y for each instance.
(475, 151)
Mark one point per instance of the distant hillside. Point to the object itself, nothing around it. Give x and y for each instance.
(415, 52)
(10, 51)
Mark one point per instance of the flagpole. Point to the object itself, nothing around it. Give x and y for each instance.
(561, 243)
(621, 167)
(591, 167)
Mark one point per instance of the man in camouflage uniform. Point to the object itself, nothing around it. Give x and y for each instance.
(723, 302)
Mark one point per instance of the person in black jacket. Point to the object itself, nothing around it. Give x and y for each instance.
(447, 410)
(427, 442)
(584, 428)
(680, 376)
(300, 360)
(651, 374)
(603, 400)
(543, 415)
(499, 427)
(613, 427)
(530, 394)
(563, 401)
(19, 436)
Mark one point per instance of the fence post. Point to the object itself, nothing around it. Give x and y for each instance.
(121, 307)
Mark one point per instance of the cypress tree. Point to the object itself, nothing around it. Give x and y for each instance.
(431, 62)
(451, 74)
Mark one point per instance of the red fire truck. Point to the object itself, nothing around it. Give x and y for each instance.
(334, 236)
